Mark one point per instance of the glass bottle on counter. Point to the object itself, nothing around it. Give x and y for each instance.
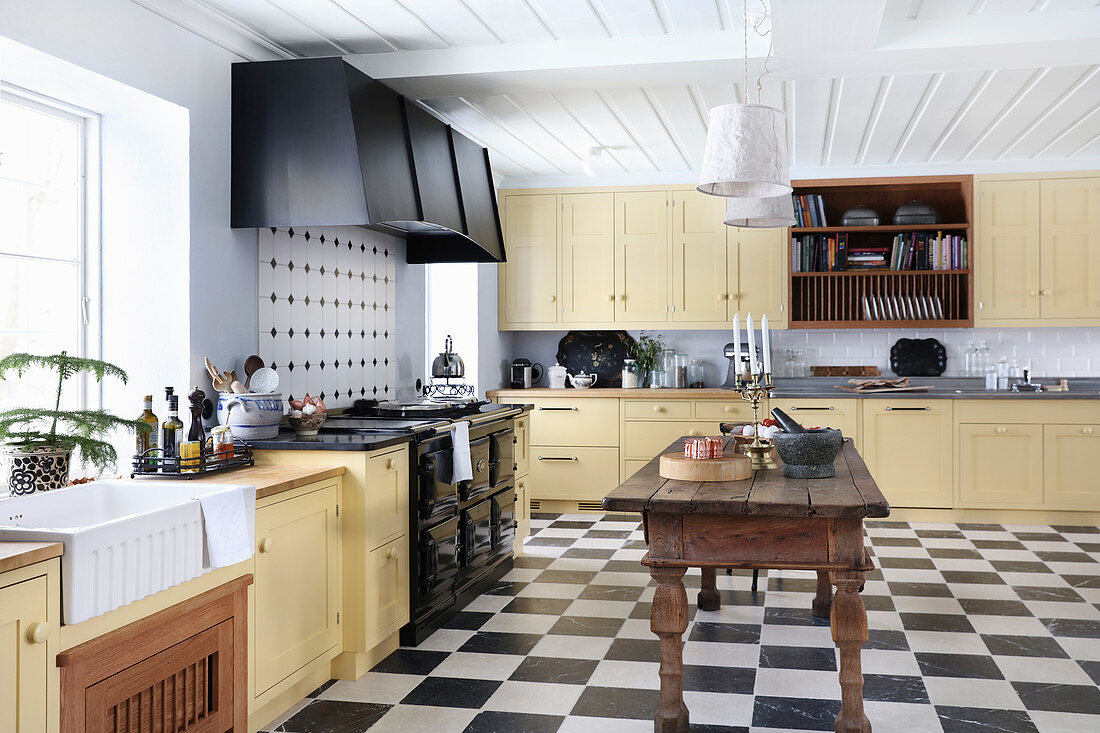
(172, 435)
(697, 372)
(630, 374)
(150, 439)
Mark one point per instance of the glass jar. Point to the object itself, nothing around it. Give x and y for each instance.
(679, 378)
(630, 374)
(697, 374)
(222, 439)
(656, 378)
(665, 363)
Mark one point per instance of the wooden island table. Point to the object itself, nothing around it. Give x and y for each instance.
(766, 521)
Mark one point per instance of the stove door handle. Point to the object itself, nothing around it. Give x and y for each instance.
(427, 488)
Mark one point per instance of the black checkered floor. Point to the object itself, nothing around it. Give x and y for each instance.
(974, 627)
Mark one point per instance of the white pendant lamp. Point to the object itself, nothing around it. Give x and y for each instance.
(746, 153)
(592, 164)
(764, 213)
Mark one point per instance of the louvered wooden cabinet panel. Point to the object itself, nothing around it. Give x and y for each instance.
(183, 670)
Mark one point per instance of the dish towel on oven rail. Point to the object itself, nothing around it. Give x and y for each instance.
(463, 465)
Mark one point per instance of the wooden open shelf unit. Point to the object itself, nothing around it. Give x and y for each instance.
(835, 299)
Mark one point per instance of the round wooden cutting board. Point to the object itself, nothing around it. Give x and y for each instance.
(731, 467)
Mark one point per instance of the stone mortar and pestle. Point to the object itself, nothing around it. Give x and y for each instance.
(806, 453)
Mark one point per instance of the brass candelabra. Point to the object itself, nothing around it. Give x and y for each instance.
(754, 391)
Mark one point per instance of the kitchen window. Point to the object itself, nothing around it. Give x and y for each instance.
(49, 263)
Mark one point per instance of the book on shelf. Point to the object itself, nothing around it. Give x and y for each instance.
(908, 251)
(809, 210)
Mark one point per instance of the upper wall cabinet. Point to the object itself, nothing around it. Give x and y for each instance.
(1039, 252)
(635, 259)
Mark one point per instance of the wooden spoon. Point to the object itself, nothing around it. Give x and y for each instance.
(251, 364)
(217, 378)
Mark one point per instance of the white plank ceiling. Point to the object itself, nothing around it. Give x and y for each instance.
(884, 85)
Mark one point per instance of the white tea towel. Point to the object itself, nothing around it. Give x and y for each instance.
(463, 469)
(226, 525)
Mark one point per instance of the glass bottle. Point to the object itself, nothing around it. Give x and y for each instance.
(970, 357)
(666, 364)
(697, 371)
(630, 374)
(151, 439)
(172, 435)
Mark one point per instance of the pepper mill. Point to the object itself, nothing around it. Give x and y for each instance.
(197, 431)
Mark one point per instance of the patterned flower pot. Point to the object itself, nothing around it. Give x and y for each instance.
(30, 470)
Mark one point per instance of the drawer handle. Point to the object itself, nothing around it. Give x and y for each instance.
(1086, 431)
(909, 409)
(658, 408)
(818, 408)
(266, 544)
(38, 633)
(695, 432)
(727, 408)
(557, 458)
(559, 409)
(1002, 430)
(391, 554)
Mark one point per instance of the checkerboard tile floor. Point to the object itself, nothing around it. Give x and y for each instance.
(973, 627)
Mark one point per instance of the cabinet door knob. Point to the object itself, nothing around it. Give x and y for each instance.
(620, 297)
(658, 408)
(1048, 292)
(551, 298)
(266, 544)
(1033, 293)
(695, 432)
(389, 464)
(38, 633)
(391, 553)
(1002, 430)
(1086, 431)
(722, 296)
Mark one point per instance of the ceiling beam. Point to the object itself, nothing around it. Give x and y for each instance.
(220, 28)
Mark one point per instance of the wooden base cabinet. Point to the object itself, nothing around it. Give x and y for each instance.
(1000, 465)
(183, 669)
(907, 445)
(1071, 466)
(296, 599)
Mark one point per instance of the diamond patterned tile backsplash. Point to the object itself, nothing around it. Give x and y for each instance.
(328, 312)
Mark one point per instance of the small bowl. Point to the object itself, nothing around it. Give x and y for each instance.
(809, 454)
(307, 424)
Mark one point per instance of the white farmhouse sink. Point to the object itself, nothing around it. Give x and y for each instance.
(124, 540)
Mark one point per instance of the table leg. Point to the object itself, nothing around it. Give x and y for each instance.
(709, 600)
(849, 622)
(824, 598)
(668, 620)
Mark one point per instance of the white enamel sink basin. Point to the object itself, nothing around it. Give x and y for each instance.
(123, 540)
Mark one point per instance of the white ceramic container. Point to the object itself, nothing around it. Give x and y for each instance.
(251, 416)
(124, 540)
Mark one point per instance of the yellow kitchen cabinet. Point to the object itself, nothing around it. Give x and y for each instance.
(25, 658)
(523, 444)
(646, 439)
(1007, 262)
(1000, 465)
(528, 288)
(523, 511)
(388, 586)
(756, 273)
(388, 496)
(573, 473)
(295, 591)
(842, 414)
(1071, 466)
(908, 447)
(586, 421)
(641, 257)
(699, 291)
(1070, 248)
(588, 257)
(735, 410)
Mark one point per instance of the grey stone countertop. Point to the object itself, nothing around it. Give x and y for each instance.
(959, 388)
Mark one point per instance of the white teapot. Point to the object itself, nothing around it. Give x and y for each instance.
(582, 380)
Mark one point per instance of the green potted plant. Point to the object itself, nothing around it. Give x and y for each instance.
(646, 349)
(38, 442)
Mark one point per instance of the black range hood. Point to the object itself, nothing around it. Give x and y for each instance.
(318, 143)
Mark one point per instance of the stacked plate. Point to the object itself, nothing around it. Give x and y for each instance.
(902, 308)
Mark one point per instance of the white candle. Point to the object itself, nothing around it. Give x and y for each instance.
(737, 342)
(767, 346)
(752, 344)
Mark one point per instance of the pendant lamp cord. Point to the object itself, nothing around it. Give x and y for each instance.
(756, 29)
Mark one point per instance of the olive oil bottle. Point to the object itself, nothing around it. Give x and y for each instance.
(150, 439)
(172, 435)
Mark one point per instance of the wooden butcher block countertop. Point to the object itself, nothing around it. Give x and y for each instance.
(270, 480)
(15, 555)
